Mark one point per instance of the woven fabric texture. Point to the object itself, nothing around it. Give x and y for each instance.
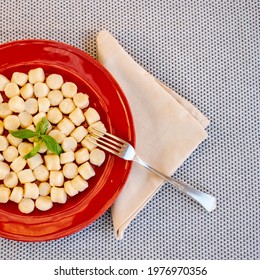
(207, 51)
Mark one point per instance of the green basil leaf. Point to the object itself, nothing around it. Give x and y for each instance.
(52, 144)
(33, 152)
(23, 133)
(42, 126)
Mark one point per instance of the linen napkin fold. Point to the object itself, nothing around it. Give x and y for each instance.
(168, 129)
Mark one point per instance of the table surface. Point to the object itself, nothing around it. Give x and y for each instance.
(207, 51)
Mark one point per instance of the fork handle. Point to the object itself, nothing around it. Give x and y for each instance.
(206, 200)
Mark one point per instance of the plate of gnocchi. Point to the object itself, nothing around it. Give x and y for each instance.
(53, 180)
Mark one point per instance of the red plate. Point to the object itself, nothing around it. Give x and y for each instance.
(106, 96)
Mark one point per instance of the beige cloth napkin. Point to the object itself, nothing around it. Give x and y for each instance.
(168, 129)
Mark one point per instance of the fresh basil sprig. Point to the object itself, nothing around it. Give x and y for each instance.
(39, 136)
(42, 126)
(52, 144)
(23, 133)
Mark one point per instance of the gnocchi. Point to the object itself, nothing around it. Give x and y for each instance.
(41, 173)
(25, 119)
(55, 97)
(43, 203)
(4, 110)
(26, 91)
(11, 180)
(3, 143)
(36, 75)
(4, 194)
(19, 78)
(11, 90)
(16, 104)
(17, 194)
(10, 154)
(11, 122)
(44, 189)
(3, 82)
(54, 81)
(26, 205)
(45, 178)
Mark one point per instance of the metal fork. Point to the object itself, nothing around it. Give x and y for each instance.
(122, 149)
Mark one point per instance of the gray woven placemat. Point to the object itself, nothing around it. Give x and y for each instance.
(208, 51)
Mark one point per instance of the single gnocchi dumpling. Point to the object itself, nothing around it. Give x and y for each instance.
(41, 173)
(86, 171)
(11, 180)
(70, 170)
(79, 183)
(11, 122)
(97, 156)
(69, 189)
(91, 116)
(77, 116)
(35, 161)
(11, 90)
(16, 104)
(40, 89)
(54, 81)
(69, 89)
(27, 91)
(54, 115)
(3, 143)
(31, 190)
(18, 164)
(43, 203)
(81, 100)
(52, 162)
(67, 106)
(17, 194)
(4, 194)
(55, 97)
(13, 140)
(25, 119)
(5, 110)
(79, 133)
(26, 176)
(69, 144)
(3, 82)
(10, 154)
(44, 188)
(44, 104)
(36, 75)
(82, 155)
(66, 126)
(67, 157)
(31, 106)
(58, 195)
(56, 178)
(26, 205)
(19, 78)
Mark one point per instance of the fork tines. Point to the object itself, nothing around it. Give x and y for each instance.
(106, 141)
